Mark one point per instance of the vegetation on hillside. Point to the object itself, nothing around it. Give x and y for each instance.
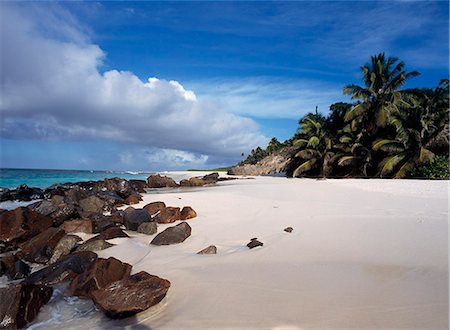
(387, 132)
(258, 154)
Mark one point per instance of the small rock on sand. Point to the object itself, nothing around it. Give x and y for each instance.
(209, 250)
(254, 243)
(288, 229)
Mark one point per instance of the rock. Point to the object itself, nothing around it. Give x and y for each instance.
(209, 250)
(6, 247)
(111, 198)
(168, 215)
(22, 193)
(92, 204)
(187, 213)
(7, 262)
(132, 218)
(133, 199)
(130, 296)
(74, 195)
(120, 186)
(64, 247)
(63, 213)
(100, 274)
(148, 228)
(173, 235)
(21, 224)
(211, 178)
(18, 270)
(101, 222)
(45, 207)
(22, 304)
(78, 226)
(254, 243)
(193, 182)
(288, 229)
(138, 185)
(94, 244)
(154, 207)
(64, 269)
(117, 216)
(40, 248)
(112, 232)
(275, 163)
(158, 181)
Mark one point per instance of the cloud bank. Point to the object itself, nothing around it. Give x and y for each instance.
(52, 87)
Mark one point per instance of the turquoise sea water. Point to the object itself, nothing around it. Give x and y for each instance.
(12, 178)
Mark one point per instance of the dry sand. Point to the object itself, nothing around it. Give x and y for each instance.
(363, 253)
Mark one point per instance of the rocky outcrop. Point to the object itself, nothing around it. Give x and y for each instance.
(40, 248)
(198, 181)
(131, 295)
(112, 232)
(20, 304)
(64, 269)
(158, 181)
(275, 163)
(99, 275)
(187, 213)
(92, 204)
(173, 235)
(21, 224)
(22, 193)
(168, 215)
(64, 247)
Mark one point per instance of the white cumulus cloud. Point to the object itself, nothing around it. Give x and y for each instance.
(52, 87)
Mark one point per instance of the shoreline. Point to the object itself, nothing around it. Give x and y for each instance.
(363, 253)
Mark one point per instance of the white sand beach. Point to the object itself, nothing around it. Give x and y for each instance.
(363, 254)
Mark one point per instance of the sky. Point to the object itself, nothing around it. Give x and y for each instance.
(177, 85)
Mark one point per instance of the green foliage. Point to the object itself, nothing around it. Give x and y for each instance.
(438, 168)
(387, 132)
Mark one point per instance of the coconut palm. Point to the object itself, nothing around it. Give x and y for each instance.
(419, 129)
(314, 147)
(380, 96)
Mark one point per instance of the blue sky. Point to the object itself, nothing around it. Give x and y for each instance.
(226, 76)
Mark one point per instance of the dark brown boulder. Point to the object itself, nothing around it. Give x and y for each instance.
(78, 226)
(168, 215)
(94, 244)
(101, 222)
(138, 185)
(187, 213)
(112, 232)
(40, 248)
(158, 181)
(45, 207)
(64, 212)
(173, 235)
(193, 182)
(211, 178)
(288, 229)
(133, 199)
(131, 295)
(64, 247)
(132, 218)
(117, 216)
(111, 198)
(154, 207)
(64, 269)
(20, 304)
(100, 274)
(21, 224)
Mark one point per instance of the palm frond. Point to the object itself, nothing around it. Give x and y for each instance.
(304, 167)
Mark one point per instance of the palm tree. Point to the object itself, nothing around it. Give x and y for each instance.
(380, 96)
(419, 129)
(314, 147)
(352, 154)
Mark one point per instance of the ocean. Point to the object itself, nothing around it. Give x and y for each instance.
(12, 178)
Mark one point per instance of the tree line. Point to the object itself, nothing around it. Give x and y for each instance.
(386, 132)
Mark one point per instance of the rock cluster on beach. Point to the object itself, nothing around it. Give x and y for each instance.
(44, 233)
